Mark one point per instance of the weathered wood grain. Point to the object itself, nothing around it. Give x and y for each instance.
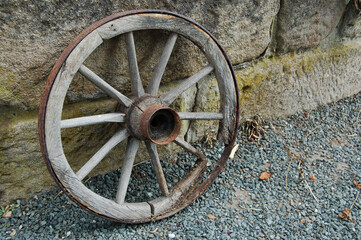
(211, 50)
(188, 147)
(154, 82)
(103, 85)
(137, 87)
(152, 149)
(136, 212)
(90, 120)
(118, 137)
(127, 167)
(162, 205)
(200, 116)
(172, 94)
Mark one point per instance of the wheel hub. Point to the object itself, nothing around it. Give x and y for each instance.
(148, 118)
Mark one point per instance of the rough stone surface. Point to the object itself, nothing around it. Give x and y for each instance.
(272, 87)
(206, 100)
(33, 35)
(351, 22)
(302, 24)
(23, 172)
(283, 85)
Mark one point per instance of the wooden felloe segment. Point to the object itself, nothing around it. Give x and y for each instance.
(163, 204)
(132, 114)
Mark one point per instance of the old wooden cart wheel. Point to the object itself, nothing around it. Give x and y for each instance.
(145, 116)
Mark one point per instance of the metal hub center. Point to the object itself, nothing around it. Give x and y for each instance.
(148, 119)
(160, 124)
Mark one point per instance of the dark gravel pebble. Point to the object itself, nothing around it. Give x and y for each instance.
(324, 143)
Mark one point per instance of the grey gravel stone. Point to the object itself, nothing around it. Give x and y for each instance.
(266, 206)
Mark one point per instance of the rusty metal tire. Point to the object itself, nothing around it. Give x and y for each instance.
(156, 124)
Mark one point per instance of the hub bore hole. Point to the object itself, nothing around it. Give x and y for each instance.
(162, 125)
(157, 121)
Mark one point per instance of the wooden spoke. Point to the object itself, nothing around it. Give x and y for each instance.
(102, 152)
(137, 87)
(154, 82)
(152, 149)
(172, 94)
(184, 186)
(180, 142)
(200, 116)
(127, 167)
(90, 120)
(134, 123)
(103, 85)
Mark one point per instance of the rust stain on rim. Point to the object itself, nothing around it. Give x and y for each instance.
(200, 189)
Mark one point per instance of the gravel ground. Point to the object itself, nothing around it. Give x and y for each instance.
(311, 157)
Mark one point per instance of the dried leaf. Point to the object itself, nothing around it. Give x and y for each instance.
(211, 216)
(346, 214)
(13, 233)
(7, 214)
(356, 183)
(358, 5)
(155, 230)
(303, 221)
(265, 175)
(174, 160)
(234, 150)
(313, 178)
(255, 136)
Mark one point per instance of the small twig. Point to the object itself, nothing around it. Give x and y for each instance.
(304, 179)
(265, 234)
(355, 199)
(57, 195)
(86, 180)
(289, 165)
(352, 135)
(313, 130)
(233, 152)
(357, 118)
(346, 213)
(288, 168)
(61, 191)
(300, 170)
(310, 189)
(254, 209)
(358, 186)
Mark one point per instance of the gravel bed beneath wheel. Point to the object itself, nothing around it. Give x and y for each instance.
(311, 157)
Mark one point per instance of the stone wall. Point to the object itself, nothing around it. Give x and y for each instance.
(288, 55)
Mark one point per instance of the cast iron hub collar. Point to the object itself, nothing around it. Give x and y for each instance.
(148, 118)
